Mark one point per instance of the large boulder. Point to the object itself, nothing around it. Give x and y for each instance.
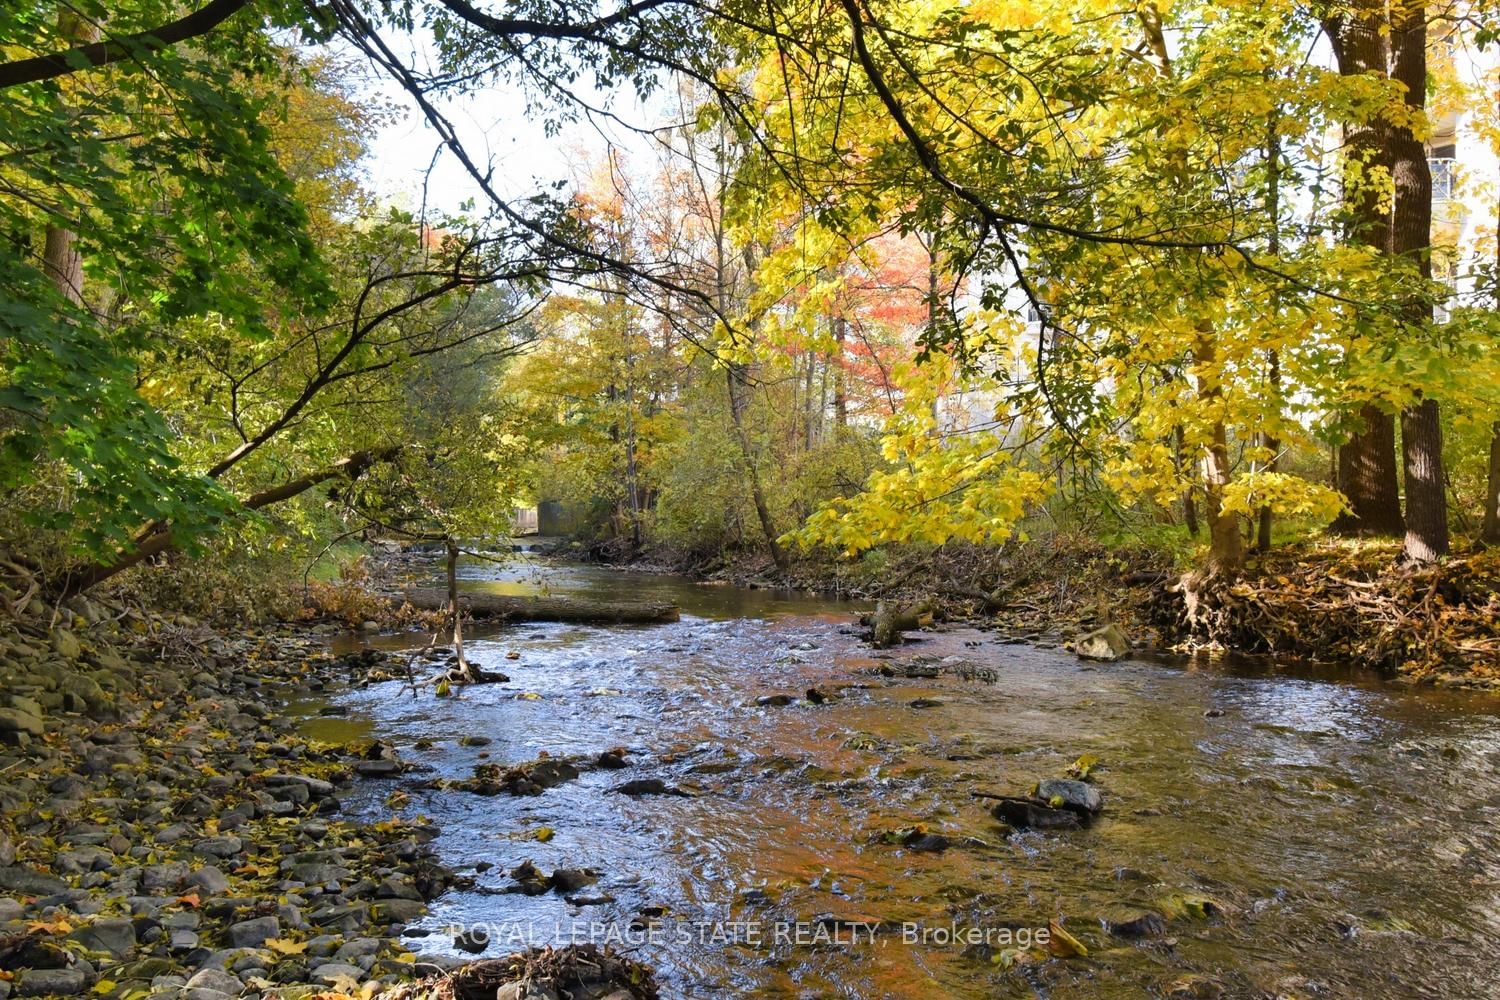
(1108, 644)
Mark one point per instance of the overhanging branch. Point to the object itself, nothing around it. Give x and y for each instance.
(114, 50)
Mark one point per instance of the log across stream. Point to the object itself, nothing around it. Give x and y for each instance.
(577, 610)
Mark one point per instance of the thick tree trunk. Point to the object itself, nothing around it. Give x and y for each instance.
(1367, 477)
(543, 609)
(1367, 461)
(1426, 497)
(63, 263)
(1411, 240)
(1489, 533)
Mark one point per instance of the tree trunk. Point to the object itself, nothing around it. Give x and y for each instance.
(1367, 477)
(1226, 547)
(1426, 497)
(840, 384)
(1273, 360)
(1411, 240)
(461, 668)
(735, 372)
(61, 260)
(1490, 532)
(1367, 461)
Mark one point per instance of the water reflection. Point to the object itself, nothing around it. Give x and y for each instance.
(1348, 830)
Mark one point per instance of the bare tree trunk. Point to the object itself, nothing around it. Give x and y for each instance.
(1367, 461)
(1490, 532)
(1411, 238)
(735, 372)
(1273, 360)
(1189, 504)
(809, 404)
(462, 668)
(1226, 552)
(840, 383)
(1367, 477)
(61, 261)
(1263, 526)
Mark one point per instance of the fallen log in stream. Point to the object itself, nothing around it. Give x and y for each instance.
(579, 610)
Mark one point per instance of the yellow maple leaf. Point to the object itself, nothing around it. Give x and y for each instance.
(284, 946)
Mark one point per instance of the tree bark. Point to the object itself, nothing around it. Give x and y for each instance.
(1273, 360)
(735, 373)
(97, 53)
(1489, 533)
(61, 261)
(1226, 549)
(1367, 477)
(542, 609)
(1367, 461)
(1411, 239)
(840, 383)
(461, 668)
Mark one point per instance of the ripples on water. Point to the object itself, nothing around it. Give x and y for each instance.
(1348, 828)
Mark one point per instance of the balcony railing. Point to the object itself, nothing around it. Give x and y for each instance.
(1444, 177)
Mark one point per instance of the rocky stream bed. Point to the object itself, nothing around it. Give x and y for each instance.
(746, 802)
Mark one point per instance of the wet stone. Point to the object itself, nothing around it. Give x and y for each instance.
(1066, 793)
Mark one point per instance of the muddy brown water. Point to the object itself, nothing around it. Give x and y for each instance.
(1346, 828)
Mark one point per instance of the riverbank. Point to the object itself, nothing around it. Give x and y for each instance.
(1331, 600)
(166, 829)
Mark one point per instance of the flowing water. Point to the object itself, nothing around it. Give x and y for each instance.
(1342, 832)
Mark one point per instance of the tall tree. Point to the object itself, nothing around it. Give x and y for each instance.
(1367, 471)
(1411, 242)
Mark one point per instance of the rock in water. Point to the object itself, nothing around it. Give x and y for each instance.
(1024, 814)
(1107, 644)
(474, 940)
(1148, 924)
(1065, 793)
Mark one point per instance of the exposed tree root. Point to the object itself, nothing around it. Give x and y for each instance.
(1350, 602)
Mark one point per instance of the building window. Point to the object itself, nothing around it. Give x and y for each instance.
(1444, 177)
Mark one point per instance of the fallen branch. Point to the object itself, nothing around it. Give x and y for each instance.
(546, 609)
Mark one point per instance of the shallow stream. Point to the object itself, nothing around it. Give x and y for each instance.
(1314, 835)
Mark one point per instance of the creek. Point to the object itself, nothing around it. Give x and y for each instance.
(1311, 833)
